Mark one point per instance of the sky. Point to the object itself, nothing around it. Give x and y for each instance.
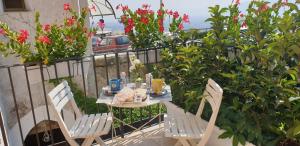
(196, 9)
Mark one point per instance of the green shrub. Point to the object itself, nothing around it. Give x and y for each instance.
(259, 80)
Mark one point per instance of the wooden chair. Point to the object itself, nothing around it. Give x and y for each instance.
(87, 127)
(188, 128)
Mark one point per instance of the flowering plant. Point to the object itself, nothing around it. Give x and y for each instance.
(136, 69)
(145, 27)
(51, 42)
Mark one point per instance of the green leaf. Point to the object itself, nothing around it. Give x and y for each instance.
(235, 141)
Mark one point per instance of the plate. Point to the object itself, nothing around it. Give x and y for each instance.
(163, 93)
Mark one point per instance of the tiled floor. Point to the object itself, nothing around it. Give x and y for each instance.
(155, 137)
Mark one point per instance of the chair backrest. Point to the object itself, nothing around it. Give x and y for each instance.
(59, 97)
(213, 95)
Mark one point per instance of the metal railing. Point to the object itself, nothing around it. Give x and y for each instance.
(83, 69)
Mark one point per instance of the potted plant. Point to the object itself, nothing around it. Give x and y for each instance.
(51, 43)
(146, 28)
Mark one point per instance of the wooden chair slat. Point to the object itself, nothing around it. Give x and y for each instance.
(89, 127)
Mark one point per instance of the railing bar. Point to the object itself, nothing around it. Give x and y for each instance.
(147, 57)
(156, 59)
(118, 65)
(131, 119)
(141, 114)
(96, 82)
(128, 65)
(15, 102)
(137, 54)
(122, 125)
(56, 77)
(46, 102)
(4, 137)
(69, 69)
(84, 88)
(31, 104)
(106, 69)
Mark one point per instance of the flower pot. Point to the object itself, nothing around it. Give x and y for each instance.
(59, 70)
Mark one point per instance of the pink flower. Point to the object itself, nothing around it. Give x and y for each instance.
(263, 8)
(66, 6)
(118, 6)
(44, 40)
(93, 8)
(244, 24)
(180, 27)
(2, 31)
(23, 36)
(175, 14)
(146, 6)
(47, 27)
(186, 18)
(237, 2)
(70, 21)
(101, 25)
(151, 12)
(170, 12)
(124, 8)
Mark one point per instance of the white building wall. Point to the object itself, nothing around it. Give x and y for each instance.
(51, 11)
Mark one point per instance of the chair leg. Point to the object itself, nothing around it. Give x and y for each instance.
(184, 142)
(88, 141)
(178, 143)
(100, 141)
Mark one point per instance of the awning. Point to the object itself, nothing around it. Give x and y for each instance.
(101, 8)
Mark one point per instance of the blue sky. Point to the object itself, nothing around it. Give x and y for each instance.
(196, 9)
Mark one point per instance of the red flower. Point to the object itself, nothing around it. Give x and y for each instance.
(124, 8)
(67, 7)
(146, 6)
(47, 27)
(141, 11)
(175, 14)
(180, 27)
(23, 36)
(144, 20)
(244, 24)
(161, 29)
(186, 18)
(93, 8)
(101, 25)
(160, 12)
(235, 19)
(130, 22)
(44, 40)
(241, 15)
(123, 18)
(128, 29)
(2, 31)
(237, 2)
(70, 21)
(160, 22)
